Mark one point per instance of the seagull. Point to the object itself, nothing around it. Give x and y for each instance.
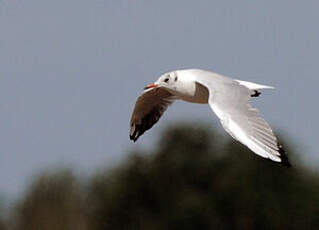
(227, 97)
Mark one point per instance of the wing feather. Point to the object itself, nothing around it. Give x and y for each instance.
(148, 109)
(230, 101)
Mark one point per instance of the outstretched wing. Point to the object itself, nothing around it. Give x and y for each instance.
(230, 101)
(149, 108)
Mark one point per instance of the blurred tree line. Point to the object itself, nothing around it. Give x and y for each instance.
(190, 181)
(2, 227)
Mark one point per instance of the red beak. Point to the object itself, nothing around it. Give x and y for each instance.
(151, 86)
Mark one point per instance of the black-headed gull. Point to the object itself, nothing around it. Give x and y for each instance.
(228, 98)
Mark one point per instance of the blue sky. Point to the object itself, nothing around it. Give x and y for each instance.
(71, 71)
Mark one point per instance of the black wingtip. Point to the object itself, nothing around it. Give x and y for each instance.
(133, 138)
(283, 157)
(255, 94)
(134, 133)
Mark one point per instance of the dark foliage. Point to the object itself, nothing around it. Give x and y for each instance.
(193, 180)
(2, 227)
(191, 183)
(53, 202)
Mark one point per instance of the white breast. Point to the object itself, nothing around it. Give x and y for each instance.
(195, 93)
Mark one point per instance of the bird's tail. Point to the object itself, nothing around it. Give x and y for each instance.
(254, 88)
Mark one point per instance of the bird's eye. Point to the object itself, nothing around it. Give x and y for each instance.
(166, 80)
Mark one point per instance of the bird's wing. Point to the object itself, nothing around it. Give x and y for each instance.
(230, 101)
(148, 109)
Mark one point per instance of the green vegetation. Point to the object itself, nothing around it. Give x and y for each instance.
(2, 227)
(190, 181)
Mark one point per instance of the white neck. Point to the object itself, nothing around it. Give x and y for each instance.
(188, 89)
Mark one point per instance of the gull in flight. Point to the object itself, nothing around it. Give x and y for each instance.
(227, 97)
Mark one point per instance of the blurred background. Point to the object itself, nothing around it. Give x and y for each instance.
(71, 71)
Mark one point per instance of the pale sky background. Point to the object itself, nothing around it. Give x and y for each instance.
(71, 70)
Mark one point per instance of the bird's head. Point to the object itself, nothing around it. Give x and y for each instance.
(168, 81)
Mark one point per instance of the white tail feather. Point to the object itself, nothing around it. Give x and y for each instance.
(254, 86)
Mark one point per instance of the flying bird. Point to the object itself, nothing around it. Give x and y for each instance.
(227, 97)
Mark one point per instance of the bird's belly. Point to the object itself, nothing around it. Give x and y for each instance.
(199, 95)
